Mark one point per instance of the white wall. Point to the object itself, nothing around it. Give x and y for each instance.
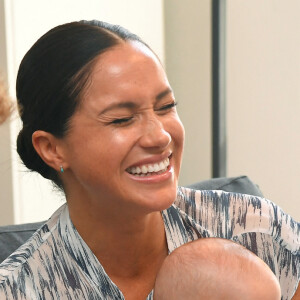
(188, 63)
(263, 85)
(26, 21)
(263, 91)
(6, 185)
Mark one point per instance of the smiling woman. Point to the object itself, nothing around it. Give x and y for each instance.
(100, 121)
(129, 120)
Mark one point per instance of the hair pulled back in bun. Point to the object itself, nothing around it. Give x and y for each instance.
(52, 77)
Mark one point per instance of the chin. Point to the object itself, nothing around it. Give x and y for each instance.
(161, 200)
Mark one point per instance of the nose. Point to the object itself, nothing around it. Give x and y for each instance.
(154, 135)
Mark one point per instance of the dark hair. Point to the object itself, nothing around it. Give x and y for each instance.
(52, 77)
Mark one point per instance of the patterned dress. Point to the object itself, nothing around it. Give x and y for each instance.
(56, 263)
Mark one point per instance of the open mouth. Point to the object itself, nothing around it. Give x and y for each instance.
(150, 169)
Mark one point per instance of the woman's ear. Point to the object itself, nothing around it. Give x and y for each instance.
(49, 149)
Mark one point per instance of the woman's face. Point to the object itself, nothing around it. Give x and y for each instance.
(125, 141)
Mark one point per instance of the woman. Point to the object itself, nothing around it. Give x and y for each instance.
(99, 120)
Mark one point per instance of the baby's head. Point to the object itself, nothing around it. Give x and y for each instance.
(214, 268)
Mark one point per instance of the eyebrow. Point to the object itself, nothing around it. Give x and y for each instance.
(132, 105)
(164, 93)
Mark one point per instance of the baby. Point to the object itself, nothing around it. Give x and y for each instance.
(214, 268)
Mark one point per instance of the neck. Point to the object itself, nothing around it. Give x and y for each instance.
(124, 243)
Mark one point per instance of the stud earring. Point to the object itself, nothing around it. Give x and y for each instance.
(61, 169)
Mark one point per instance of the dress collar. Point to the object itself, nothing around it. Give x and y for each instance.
(84, 257)
(175, 231)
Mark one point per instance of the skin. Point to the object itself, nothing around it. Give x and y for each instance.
(297, 294)
(128, 84)
(216, 269)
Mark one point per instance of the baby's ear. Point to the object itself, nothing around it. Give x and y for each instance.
(48, 148)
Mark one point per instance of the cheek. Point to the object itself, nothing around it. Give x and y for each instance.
(177, 132)
(107, 150)
(124, 137)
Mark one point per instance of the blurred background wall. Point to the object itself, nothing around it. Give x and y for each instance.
(263, 96)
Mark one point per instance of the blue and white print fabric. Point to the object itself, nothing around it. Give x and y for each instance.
(57, 264)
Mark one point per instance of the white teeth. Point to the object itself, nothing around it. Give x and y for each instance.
(150, 168)
(161, 165)
(144, 169)
(156, 168)
(166, 162)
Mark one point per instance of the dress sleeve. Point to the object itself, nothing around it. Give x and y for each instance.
(254, 222)
(283, 263)
(275, 237)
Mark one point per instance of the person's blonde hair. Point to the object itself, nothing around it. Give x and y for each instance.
(5, 103)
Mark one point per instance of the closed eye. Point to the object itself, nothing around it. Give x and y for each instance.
(122, 121)
(167, 107)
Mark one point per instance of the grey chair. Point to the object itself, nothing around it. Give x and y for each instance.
(13, 236)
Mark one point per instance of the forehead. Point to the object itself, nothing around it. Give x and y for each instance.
(129, 51)
(129, 67)
(125, 59)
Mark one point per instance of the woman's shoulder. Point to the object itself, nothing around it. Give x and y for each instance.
(256, 223)
(21, 265)
(226, 215)
(27, 256)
